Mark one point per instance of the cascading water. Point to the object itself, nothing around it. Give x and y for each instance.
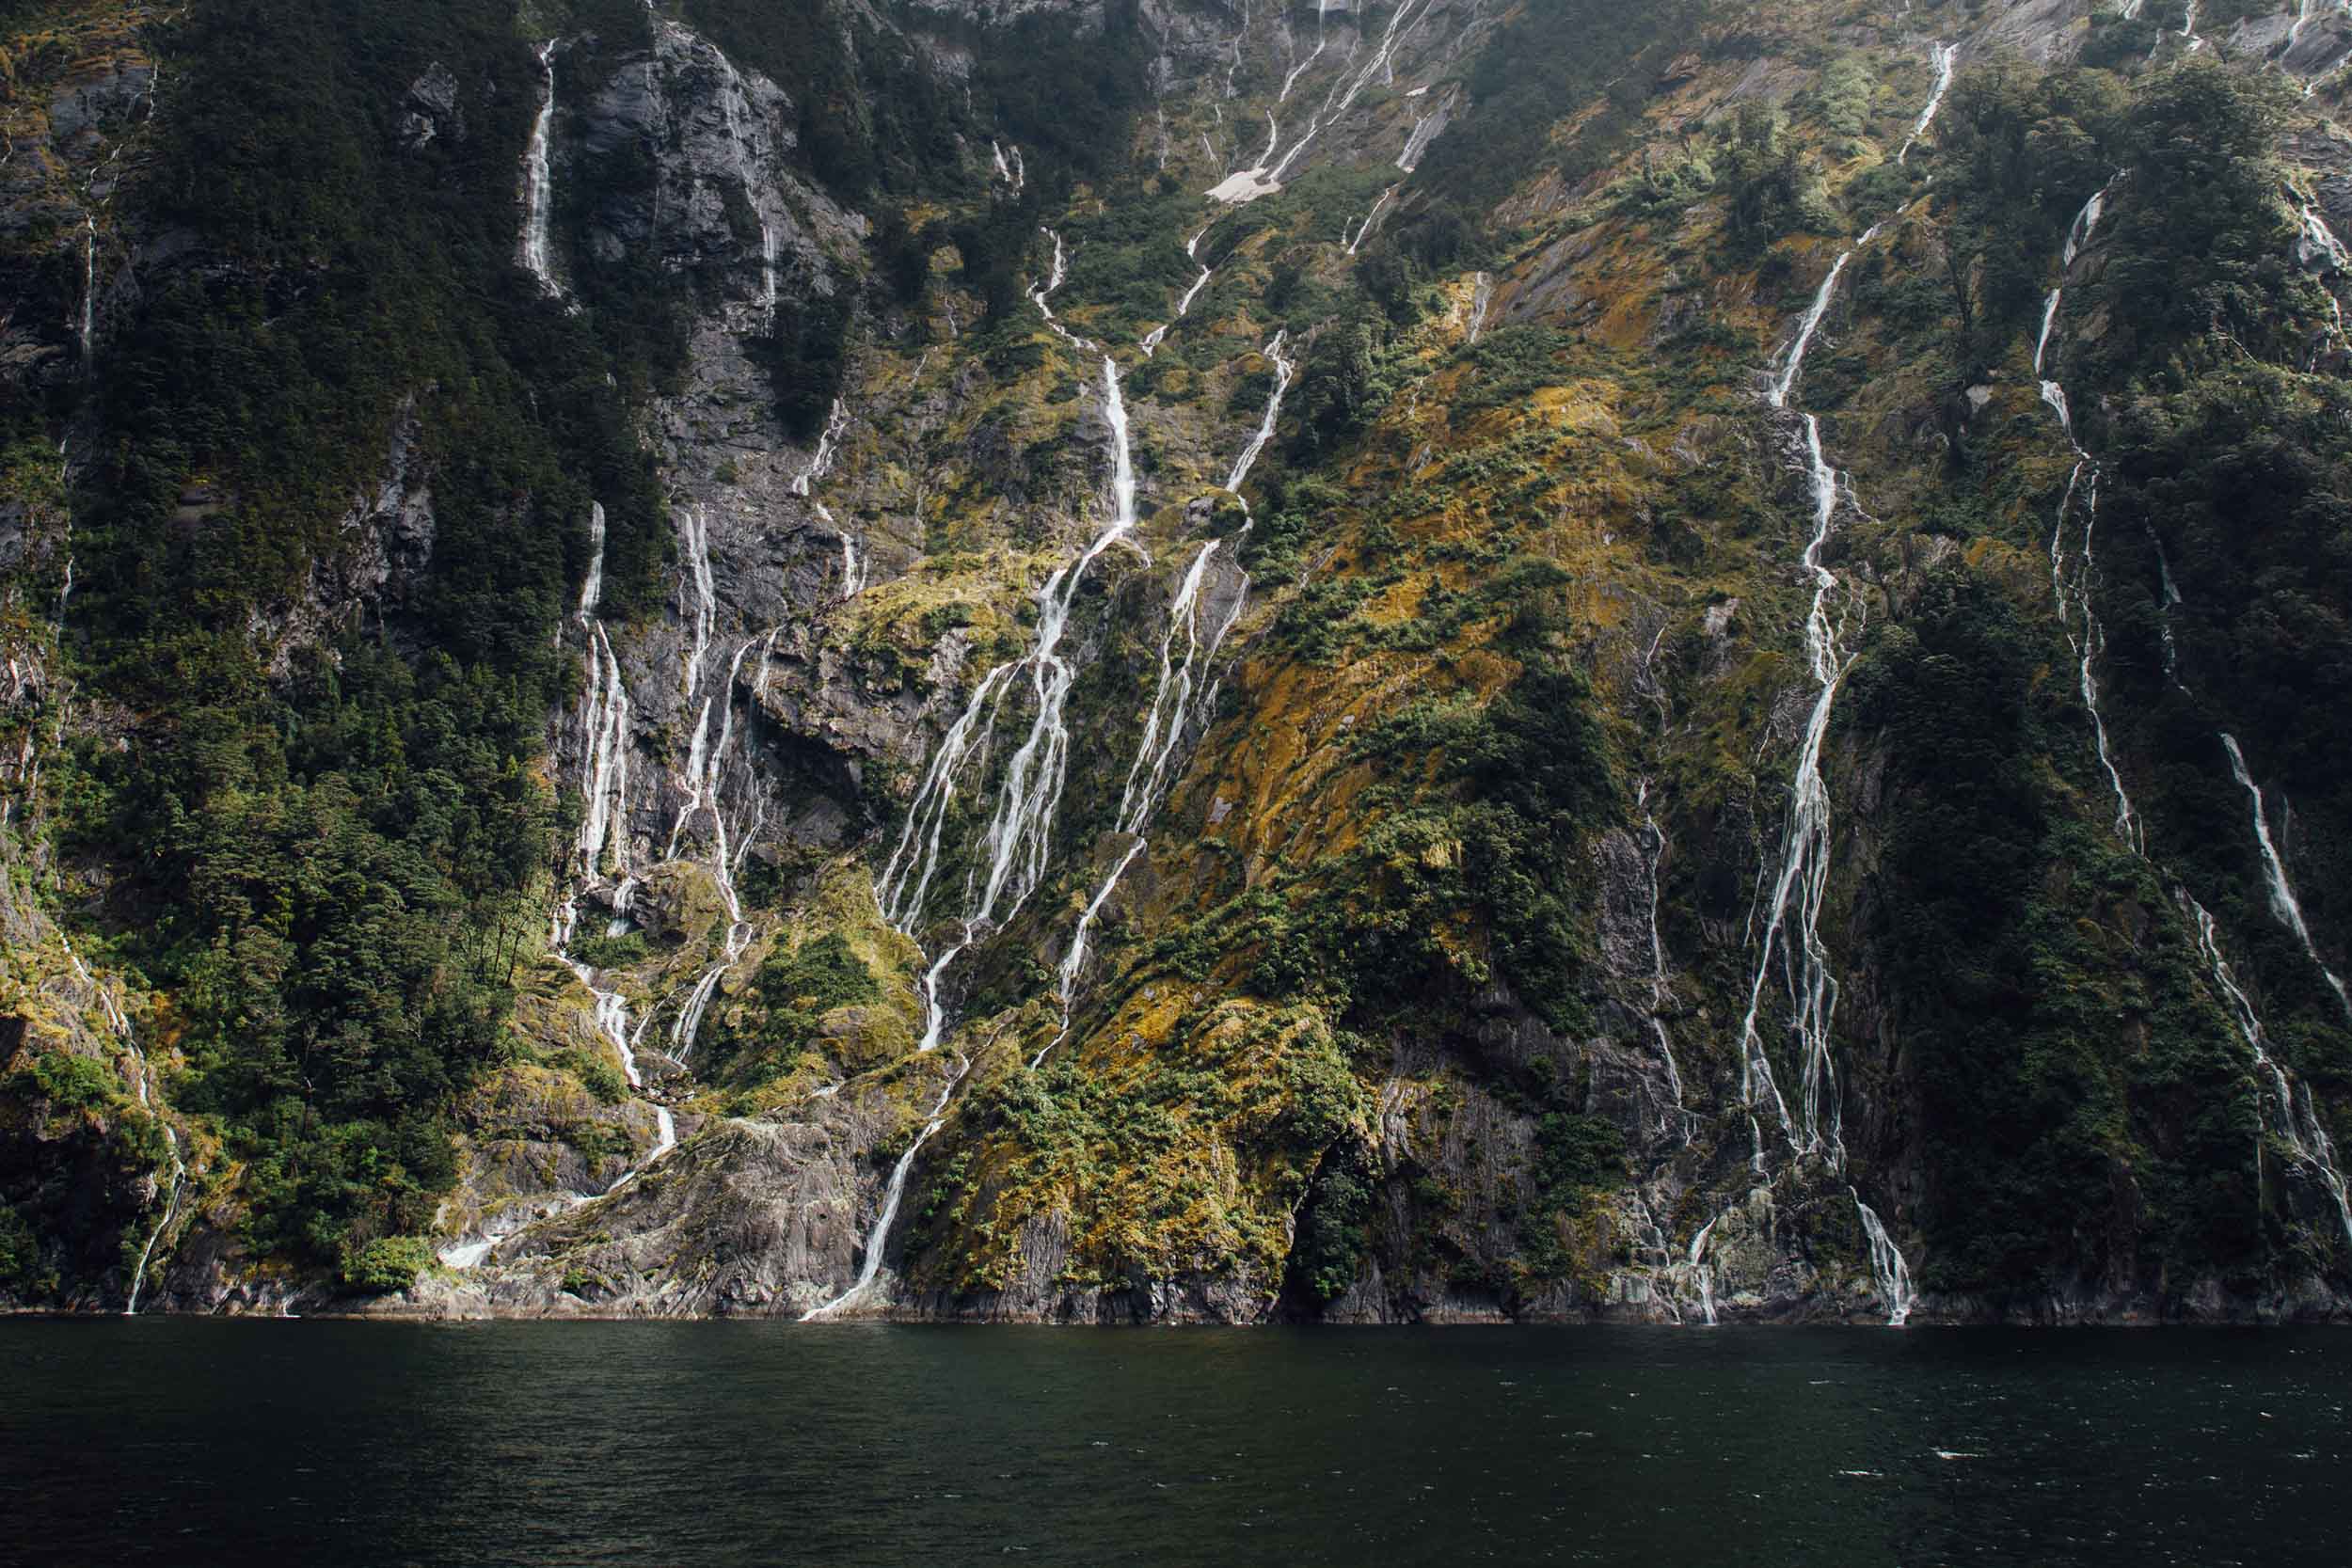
(88, 334)
(534, 250)
(1066, 977)
(2283, 904)
(1947, 57)
(1284, 369)
(853, 563)
(1674, 1117)
(836, 423)
(1702, 1271)
(695, 522)
(2074, 579)
(1184, 307)
(606, 777)
(1426, 129)
(1017, 843)
(1799, 890)
(1265, 177)
(1354, 242)
(2295, 1122)
(1300, 69)
(140, 1079)
(1019, 835)
(893, 1195)
(1887, 1266)
(1172, 699)
(2318, 240)
(1776, 393)
(592, 591)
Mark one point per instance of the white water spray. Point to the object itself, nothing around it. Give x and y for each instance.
(1887, 1266)
(1265, 177)
(1801, 889)
(1946, 56)
(592, 590)
(1673, 1118)
(878, 1240)
(2294, 1120)
(535, 250)
(702, 615)
(1793, 366)
(2284, 906)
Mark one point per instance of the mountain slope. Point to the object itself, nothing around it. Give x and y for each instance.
(1137, 662)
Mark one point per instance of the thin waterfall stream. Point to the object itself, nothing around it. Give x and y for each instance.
(534, 250)
(1799, 889)
(2295, 1122)
(1174, 699)
(1018, 840)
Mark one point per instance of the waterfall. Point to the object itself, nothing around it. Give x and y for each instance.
(1946, 56)
(1799, 890)
(1066, 978)
(1018, 838)
(2299, 1127)
(538, 185)
(163, 1222)
(1426, 129)
(1152, 341)
(664, 1140)
(592, 590)
(1363, 230)
(2296, 1125)
(1172, 698)
(1163, 727)
(2072, 584)
(1265, 177)
(917, 854)
(1019, 835)
(1300, 69)
(1482, 301)
(87, 333)
(2092, 642)
(1802, 884)
(1284, 369)
(853, 562)
(2283, 904)
(2317, 239)
(836, 426)
(702, 619)
(1886, 1266)
(2073, 590)
(733, 100)
(706, 772)
(606, 756)
(2303, 11)
(1660, 991)
(1705, 1273)
(2086, 222)
(144, 1071)
(1782, 385)
(879, 1237)
(2052, 393)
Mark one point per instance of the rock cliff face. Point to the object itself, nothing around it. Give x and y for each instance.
(1377, 662)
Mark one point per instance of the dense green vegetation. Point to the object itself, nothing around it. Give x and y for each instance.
(339, 839)
(2015, 982)
(2013, 991)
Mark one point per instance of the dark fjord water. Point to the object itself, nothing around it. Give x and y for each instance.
(644, 1444)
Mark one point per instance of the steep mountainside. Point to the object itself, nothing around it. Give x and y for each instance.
(1159, 661)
